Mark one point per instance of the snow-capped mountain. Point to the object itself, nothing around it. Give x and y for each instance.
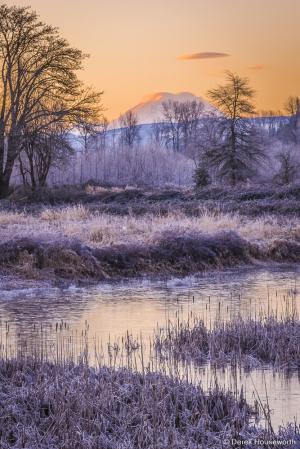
(150, 108)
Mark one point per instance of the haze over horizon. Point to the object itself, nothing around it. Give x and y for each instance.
(138, 48)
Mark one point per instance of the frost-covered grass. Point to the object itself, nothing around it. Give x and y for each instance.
(75, 242)
(248, 342)
(93, 231)
(101, 229)
(63, 403)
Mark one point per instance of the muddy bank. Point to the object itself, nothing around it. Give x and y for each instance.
(170, 252)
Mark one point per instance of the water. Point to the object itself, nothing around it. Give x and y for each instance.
(138, 306)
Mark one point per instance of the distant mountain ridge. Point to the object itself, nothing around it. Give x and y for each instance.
(150, 108)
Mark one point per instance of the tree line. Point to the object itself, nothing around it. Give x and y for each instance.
(42, 101)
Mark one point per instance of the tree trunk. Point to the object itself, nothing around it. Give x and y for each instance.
(6, 169)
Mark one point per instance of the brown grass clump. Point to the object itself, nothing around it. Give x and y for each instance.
(65, 214)
(173, 252)
(11, 218)
(62, 259)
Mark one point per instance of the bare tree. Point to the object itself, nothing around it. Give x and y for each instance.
(288, 159)
(192, 124)
(130, 131)
(101, 135)
(41, 151)
(158, 134)
(234, 148)
(172, 114)
(37, 66)
(182, 121)
(292, 108)
(88, 131)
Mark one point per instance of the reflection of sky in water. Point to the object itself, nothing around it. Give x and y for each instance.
(138, 306)
(279, 391)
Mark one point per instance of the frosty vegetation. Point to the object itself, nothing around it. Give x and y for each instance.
(190, 152)
(191, 147)
(53, 131)
(51, 397)
(77, 242)
(263, 340)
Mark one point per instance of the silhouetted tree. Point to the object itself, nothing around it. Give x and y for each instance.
(181, 124)
(42, 150)
(158, 134)
(87, 133)
(172, 114)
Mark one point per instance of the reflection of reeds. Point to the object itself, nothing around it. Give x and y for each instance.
(243, 341)
(50, 398)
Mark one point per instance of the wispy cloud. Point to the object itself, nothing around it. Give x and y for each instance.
(257, 67)
(205, 55)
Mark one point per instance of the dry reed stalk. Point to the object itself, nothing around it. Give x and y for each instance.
(51, 398)
(244, 341)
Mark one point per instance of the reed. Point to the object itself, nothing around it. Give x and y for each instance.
(58, 392)
(244, 341)
(64, 404)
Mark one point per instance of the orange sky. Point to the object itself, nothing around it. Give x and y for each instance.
(135, 45)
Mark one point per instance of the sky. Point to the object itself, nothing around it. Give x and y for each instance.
(139, 47)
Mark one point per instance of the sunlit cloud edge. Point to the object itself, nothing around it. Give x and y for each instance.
(205, 55)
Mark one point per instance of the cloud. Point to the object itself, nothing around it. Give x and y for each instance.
(257, 67)
(206, 55)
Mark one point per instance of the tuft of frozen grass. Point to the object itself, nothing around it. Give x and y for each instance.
(247, 342)
(9, 218)
(65, 213)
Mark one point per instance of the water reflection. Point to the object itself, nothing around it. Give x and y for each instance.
(138, 306)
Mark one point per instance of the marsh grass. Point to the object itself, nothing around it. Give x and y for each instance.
(75, 243)
(248, 342)
(173, 251)
(82, 222)
(52, 397)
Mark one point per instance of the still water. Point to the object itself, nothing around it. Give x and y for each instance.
(113, 309)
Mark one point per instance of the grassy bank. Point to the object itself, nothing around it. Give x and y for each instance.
(95, 239)
(64, 405)
(73, 244)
